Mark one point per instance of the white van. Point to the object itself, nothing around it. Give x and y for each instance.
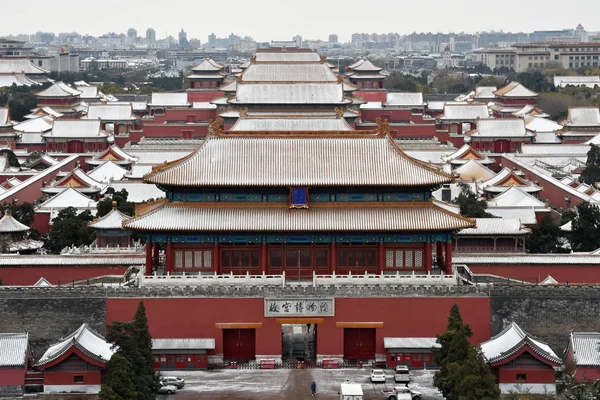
(402, 374)
(351, 391)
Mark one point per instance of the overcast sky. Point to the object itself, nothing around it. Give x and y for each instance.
(267, 20)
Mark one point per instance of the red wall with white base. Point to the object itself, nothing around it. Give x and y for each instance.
(12, 376)
(63, 275)
(573, 274)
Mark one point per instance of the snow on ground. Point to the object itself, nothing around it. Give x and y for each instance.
(289, 383)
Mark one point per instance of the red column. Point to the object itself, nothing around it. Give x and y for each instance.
(427, 257)
(332, 258)
(148, 258)
(169, 259)
(263, 257)
(438, 254)
(155, 254)
(448, 258)
(380, 258)
(215, 259)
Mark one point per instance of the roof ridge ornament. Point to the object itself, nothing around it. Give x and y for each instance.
(216, 127)
(383, 126)
(339, 112)
(244, 113)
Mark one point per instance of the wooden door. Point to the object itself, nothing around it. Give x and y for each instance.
(239, 344)
(359, 343)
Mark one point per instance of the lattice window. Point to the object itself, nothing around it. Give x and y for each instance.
(179, 259)
(189, 261)
(389, 259)
(418, 258)
(408, 261)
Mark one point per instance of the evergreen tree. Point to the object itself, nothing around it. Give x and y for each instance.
(134, 343)
(591, 173)
(144, 344)
(117, 384)
(126, 207)
(470, 205)
(585, 232)
(70, 229)
(473, 378)
(454, 349)
(544, 238)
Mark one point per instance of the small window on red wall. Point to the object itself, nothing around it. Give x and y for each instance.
(521, 377)
(78, 378)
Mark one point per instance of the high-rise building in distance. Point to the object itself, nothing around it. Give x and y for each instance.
(150, 36)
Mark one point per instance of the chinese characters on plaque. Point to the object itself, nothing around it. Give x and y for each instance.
(297, 307)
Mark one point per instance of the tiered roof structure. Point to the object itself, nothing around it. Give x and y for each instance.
(581, 124)
(115, 154)
(109, 229)
(244, 193)
(207, 75)
(76, 179)
(364, 75)
(504, 180)
(21, 72)
(13, 236)
(62, 98)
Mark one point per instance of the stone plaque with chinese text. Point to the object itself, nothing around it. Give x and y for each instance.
(299, 308)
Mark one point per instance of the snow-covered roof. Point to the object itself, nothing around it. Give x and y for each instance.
(111, 112)
(42, 282)
(502, 127)
(507, 178)
(474, 170)
(290, 93)
(113, 220)
(108, 171)
(485, 92)
(583, 117)
(465, 112)
(115, 154)
(549, 281)
(364, 65)
(465, 154)
(8, 80)
(515, 89)
(69, 197)
(291, 124)
(516, 197)
(35, 125)
(4, 118)
(76, 179)
(86, 340)
(586, 348)
(8, 224)
(138, 191)
(345, 159)
(410, 342)
(288, 73)
(287, 57)
(495, 226)
(510, 341)
(76, 128)
(538, 124)
(208, 64)
(88, 92)
(527, 215)
(59, 89)
(169, 100)
(404, 100)
(183, 344)
(568, 227)
(14, 350)
(24, 66)
(76, 261)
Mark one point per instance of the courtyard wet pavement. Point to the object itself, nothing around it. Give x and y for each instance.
(293, 384)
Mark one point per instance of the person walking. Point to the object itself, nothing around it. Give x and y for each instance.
(313, 388)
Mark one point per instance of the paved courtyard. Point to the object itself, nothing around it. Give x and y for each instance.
(289, 384)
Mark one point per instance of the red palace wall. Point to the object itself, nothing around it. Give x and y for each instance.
(516, 101)
(542, 375)
(12, 376)
(380, 96)
(67, 377)
(182, 114)
(550, 192)
(573, 274)
(406, 317)
(63, 275)
(41, 222)
(204, 96)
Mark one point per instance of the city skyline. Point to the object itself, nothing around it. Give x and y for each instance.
(264, 20)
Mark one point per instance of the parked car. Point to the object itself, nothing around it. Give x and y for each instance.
(173, 380)
(402, 374)
(401, 393)
(167, 389)
(377, 375)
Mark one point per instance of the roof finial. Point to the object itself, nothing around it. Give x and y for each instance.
(114, 205)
